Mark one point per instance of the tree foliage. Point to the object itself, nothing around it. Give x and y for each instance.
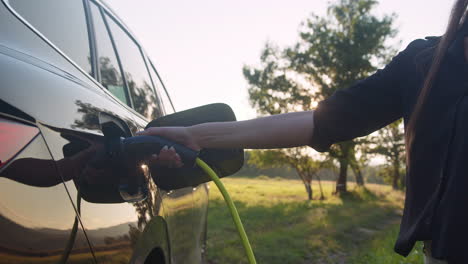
(390, 143)
(332, 53)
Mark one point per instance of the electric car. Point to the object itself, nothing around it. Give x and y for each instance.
(68, 69)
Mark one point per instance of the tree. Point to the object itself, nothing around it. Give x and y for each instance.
(108, 240)
(134, 234)
(333, 53)
(356, 165)
(305, 166)
(360, 158)
(390, 143)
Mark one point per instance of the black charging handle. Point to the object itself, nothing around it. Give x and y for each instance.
(140, 147)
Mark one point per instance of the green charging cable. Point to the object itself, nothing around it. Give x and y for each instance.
(232, 209)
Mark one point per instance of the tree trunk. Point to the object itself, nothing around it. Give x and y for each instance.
(357, 174)
(322, 197)
(396, 175)
(309, 191)
(342, 178)
(344, 160)
(307, 184)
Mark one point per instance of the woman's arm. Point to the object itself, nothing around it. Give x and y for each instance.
(276, 131)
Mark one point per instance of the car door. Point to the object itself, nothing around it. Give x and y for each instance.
(67, 116)
(177, 204)
(116, 229)
(67, 112)
(199, 193)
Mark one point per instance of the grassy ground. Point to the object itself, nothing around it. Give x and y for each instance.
(381, 251)
(121, 256)
(284, 227)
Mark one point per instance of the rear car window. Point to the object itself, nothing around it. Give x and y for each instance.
(111, 76)
(135, 71)
(63, 23)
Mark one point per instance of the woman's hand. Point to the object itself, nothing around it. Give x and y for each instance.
(168, 157)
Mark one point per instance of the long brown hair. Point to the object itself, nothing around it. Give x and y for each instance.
(457, 18)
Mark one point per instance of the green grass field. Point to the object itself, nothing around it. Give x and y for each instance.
(121, 256)
(284, 227)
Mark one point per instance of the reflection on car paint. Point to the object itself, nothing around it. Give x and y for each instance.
(178, 206)
(33, 232)
(200, 207)
(88, 117)
(110, 223)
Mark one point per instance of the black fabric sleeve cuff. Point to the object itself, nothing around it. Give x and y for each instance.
(319, 141)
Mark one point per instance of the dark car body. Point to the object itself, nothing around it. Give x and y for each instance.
(62, 63)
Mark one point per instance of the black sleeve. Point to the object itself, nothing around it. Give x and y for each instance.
(366, 106)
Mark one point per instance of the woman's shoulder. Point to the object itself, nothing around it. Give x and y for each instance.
(428, 41)
(422, 44)
(419, 52)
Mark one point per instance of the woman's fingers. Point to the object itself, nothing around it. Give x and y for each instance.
(167, 158)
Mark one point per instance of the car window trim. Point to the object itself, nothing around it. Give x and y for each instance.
(105, 9)
(153, 82)
(137, 44)
(92, 40)
(163, 85)
(98, 68)
(124, 78)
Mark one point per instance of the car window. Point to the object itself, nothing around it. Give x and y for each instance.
(135, 71)
(63, 23)
(166, 102)
(111, 76)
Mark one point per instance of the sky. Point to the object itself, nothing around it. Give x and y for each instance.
(200, 47)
